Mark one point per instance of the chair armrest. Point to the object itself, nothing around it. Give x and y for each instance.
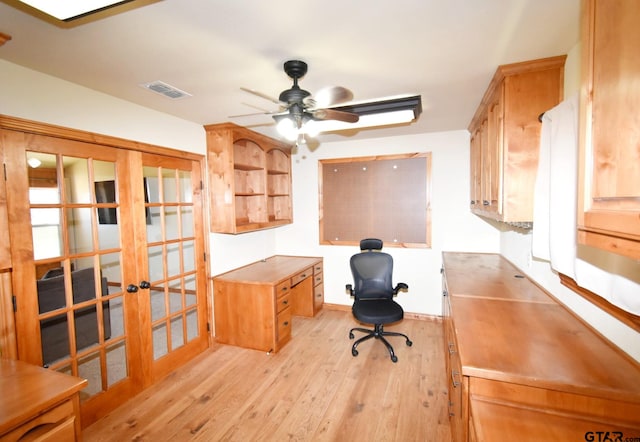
(349, 289)
(400, 287)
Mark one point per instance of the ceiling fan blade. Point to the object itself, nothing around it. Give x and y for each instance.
(261, 95)
(332, 114)
(276, 112)
(332, 95)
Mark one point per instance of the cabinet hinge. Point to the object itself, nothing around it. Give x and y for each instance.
(201, 185)
(14, 301)
(208, 327)
(4, 170)
(205, 257)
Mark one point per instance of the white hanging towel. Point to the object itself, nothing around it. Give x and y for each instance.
(555, 213)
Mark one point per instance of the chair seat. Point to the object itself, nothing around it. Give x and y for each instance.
(377, 311)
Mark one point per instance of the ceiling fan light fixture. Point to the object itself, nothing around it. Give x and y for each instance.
(287, 128)
(311, 128)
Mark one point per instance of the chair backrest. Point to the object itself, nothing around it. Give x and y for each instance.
(372, 271)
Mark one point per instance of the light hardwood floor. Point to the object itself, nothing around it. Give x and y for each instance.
(312, 390)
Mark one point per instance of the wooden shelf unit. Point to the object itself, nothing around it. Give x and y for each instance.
(505, 137)
(249, 179)
(514, 351)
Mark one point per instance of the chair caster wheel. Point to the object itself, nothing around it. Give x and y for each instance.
(351, 335)
(409, 343)
(354, 352)
(394, 358)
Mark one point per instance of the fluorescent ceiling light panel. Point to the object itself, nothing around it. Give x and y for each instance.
(68, 9)
(370, 120)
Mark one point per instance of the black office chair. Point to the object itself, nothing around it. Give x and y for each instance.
(372, 272)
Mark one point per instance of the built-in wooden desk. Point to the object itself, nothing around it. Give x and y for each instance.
(253, 305)
(42, 404)
(517, 359)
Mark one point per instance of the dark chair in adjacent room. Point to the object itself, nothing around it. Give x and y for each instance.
(373, 292)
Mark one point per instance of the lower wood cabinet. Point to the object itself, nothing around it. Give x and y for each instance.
(520, 366)
(38, 404)
(254, 304)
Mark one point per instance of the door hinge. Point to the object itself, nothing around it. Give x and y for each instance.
(208, 327)
(201, 185)
(205, 257)
(4, 169)
(14, 301)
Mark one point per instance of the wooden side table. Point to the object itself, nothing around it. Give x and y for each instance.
(42, 404)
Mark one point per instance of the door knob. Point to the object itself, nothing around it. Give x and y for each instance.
(145, 284)
(132, 288)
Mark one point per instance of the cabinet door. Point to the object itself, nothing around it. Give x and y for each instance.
(609, 205)
(476, 170)
(494, 152)
(5, 254)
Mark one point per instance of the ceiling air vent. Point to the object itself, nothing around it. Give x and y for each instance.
(165, 89)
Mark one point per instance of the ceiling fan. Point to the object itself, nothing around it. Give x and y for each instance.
(299, 109)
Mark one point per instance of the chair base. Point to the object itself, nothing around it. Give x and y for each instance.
(378, 333)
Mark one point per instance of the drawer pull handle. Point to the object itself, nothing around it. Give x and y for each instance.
(452, 348)
(285, 302)
(455, 383)
(284, 289)
(286, 323)
(304, 275)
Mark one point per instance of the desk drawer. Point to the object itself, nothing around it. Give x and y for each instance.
(283, 301)
(317, 268)
(295, 279)
(317, 278)
(283, 289)
(284, 326)
(58, 421)
(318, 297)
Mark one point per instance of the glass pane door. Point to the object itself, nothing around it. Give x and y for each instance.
(80, 249)
(108, 263)
(174, 260)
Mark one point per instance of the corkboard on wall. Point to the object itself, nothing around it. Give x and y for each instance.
(383, 197)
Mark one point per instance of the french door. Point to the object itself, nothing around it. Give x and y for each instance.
(108, 259)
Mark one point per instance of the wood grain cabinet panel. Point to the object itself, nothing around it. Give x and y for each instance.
(38, 404)
(505, 137)
(609, 195)
(249, 179)
(5, 250)
(517, 359)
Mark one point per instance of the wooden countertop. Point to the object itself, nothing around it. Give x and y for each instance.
(490, 276)
(516, 332)
(269, 271)
(27, 390)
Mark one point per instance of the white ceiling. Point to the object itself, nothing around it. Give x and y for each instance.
(444, 50)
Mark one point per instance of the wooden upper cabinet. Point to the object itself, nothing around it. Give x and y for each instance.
(505, 133)
(609, 196)
(249, 179)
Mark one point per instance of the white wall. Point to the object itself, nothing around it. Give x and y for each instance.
(454, 228)
(25, 93)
